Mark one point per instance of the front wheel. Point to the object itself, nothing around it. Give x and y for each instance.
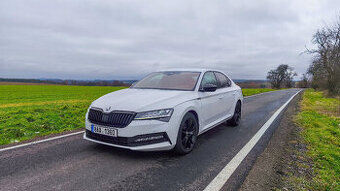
(235, 120)
(187, 134)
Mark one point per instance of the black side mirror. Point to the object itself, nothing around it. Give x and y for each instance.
(228, 83)
(209, 88)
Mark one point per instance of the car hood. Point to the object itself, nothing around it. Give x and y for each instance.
(143, 99)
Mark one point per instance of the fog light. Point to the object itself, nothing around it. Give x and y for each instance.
(149, 138)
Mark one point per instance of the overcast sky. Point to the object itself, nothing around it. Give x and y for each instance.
(93, 39)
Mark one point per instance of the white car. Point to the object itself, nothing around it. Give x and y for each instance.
(165, 110)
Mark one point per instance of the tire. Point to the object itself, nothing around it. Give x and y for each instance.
(187, 134)
(235, 120)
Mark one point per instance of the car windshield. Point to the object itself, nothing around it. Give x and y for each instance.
(176, 80)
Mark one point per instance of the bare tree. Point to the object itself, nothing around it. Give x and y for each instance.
(282, 75)
(325, 67)
(305, 81)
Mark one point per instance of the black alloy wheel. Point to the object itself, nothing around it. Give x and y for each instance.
(235, 120)
(187, 134)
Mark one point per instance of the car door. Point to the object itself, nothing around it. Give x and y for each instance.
(210, 103)
(226, 94)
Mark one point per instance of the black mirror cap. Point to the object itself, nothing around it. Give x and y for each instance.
(229, 83)
(209, 88)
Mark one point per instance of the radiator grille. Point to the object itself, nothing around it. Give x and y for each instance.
(113, 119)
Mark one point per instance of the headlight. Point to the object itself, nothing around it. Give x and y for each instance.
(162, 115)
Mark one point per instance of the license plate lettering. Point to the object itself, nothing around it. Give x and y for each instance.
(97, 129)
(109, 132)
(104, 130)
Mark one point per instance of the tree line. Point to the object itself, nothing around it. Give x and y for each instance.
(70, 82)
(324, 70)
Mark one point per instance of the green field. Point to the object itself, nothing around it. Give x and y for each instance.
(29, 111)
(320, 122)
(250, 91)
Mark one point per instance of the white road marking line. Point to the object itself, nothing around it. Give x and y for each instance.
(40, 141)
(223, 176)
(66, 135)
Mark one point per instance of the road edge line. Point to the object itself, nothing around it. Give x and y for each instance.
(222, 177)
(40, 141)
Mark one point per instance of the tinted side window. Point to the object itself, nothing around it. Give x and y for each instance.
(209, 78)
(223, 80)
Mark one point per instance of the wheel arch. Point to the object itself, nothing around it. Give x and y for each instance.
(238, 101)
(195, 114)
(190, 107)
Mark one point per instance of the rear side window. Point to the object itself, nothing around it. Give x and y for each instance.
(223, 80)
(209, 78)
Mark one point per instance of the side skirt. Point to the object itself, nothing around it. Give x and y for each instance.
(216, 124)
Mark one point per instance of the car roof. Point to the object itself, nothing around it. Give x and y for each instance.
(192, 70)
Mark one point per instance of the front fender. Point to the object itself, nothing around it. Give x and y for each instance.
(179, 112)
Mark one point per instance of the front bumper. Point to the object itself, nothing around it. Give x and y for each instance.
(138, 140)
(150, 147)
(141, 135)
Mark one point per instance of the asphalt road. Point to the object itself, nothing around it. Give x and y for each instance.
(72, 163)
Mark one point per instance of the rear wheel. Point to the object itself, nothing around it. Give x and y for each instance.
(187, 134)
(235, 120)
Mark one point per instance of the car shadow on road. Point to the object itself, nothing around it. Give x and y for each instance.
(130, 153)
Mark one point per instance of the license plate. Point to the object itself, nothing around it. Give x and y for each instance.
(109, 131)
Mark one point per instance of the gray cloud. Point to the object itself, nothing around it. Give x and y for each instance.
(91, 39)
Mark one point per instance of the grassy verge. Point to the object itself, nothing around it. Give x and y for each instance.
(320, 122)
(29, 111)
(253, 91)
